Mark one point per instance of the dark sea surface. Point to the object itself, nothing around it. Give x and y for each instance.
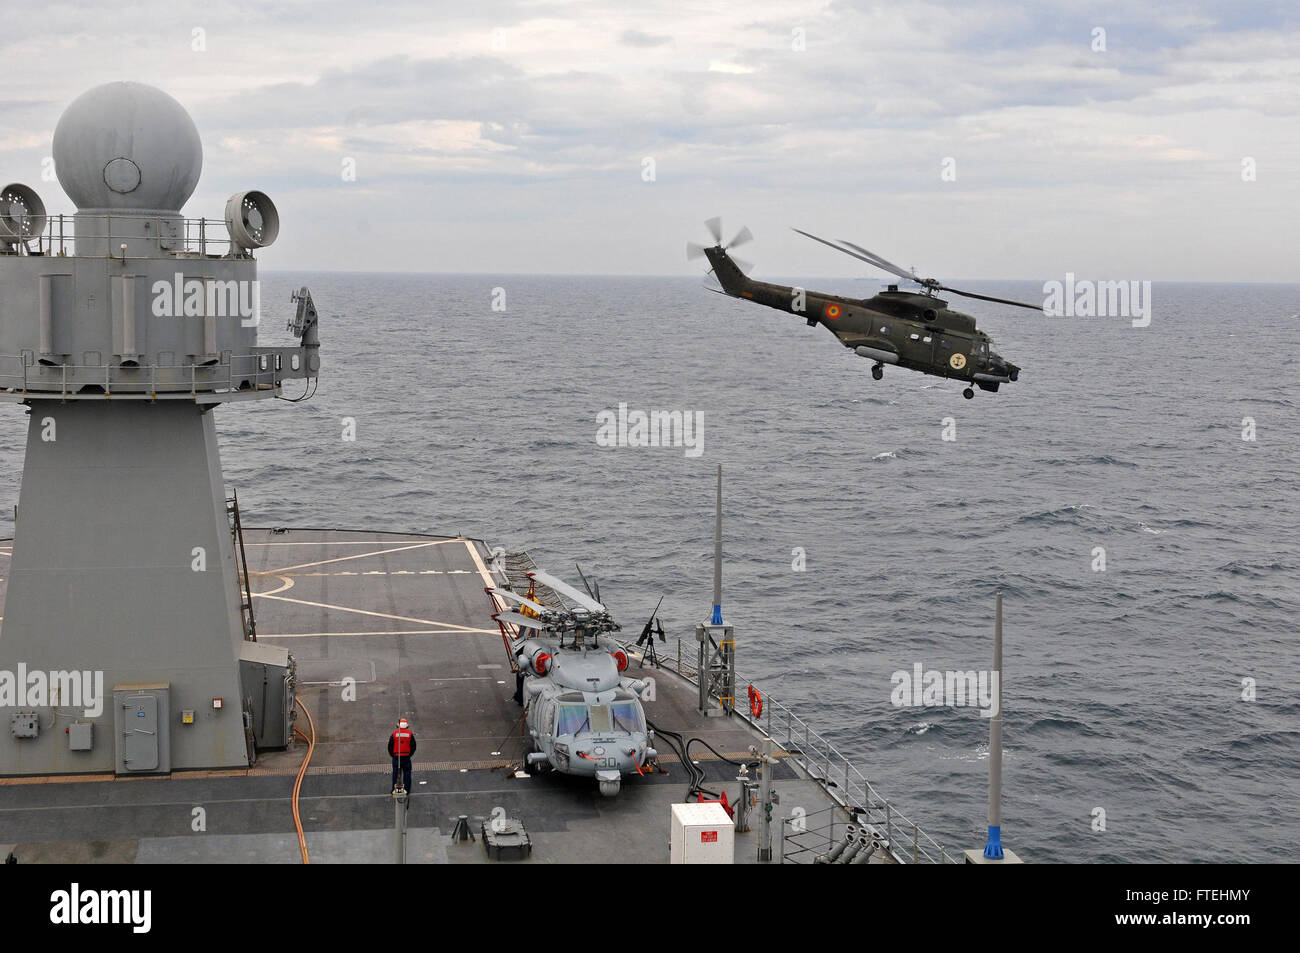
(1123, 688)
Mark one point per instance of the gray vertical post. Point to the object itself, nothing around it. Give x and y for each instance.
(717, 554)
(701, 670)
(399, 825)
(993, 849)
(765, 821)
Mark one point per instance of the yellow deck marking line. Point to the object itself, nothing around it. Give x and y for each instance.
(478, 563)
(288, 584)
(486, 577)
(340, 559)
(316, 635)
(380, 615)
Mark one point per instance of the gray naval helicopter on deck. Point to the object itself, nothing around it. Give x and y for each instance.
(584, 717)
(912, 330)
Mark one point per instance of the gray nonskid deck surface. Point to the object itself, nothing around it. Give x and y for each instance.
(407, 619)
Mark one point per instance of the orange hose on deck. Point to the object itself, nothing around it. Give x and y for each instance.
(297, 784)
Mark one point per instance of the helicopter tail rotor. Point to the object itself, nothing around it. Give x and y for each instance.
(729, 271)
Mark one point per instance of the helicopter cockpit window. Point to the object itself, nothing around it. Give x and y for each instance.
(626, 717)
(573, 720)
(601, 721)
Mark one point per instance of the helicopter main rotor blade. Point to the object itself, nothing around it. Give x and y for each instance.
(520, 600)
(868, 257)
(971, 294)
(871, 258)
(883, 262)
(566, 590)
(518, 618)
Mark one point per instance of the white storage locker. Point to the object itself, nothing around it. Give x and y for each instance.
(702, 834)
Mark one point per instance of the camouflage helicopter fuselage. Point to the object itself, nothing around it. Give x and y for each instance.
(906, 329)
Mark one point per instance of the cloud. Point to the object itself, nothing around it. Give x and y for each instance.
(530, 125)
(642, 40)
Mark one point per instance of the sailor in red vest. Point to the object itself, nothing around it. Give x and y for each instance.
(401, 745)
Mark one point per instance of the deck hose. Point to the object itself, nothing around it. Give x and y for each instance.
(297, 784)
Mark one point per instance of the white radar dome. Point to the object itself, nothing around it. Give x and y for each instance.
(127, 146)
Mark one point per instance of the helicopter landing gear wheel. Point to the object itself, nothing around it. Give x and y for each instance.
(968, 393)
(609, 788)
(878, 371)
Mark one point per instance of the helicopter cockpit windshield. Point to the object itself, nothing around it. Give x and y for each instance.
(599, 719)
(573, 720)
(627, 717)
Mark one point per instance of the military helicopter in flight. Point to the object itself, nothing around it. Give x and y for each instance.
(910, 329)
(584, 716)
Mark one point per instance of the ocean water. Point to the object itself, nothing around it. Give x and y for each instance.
(1123, 688)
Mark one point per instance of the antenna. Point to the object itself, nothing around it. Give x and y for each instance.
(994, 852)
(717, 556)
(993, 849)
(717, 657)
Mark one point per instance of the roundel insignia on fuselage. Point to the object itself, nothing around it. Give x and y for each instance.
(832, 310)
(958, 361)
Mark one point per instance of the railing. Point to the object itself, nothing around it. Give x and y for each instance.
(206, 237)
(21, 374)
(806, 837)
(840, 777)
(849, 787)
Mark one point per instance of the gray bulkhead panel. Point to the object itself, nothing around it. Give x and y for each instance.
(115, 516)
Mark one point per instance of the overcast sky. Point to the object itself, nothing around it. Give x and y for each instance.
(513, 137)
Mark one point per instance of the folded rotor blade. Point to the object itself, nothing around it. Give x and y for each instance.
(520, 600)
(566, 590)
(519, 619)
